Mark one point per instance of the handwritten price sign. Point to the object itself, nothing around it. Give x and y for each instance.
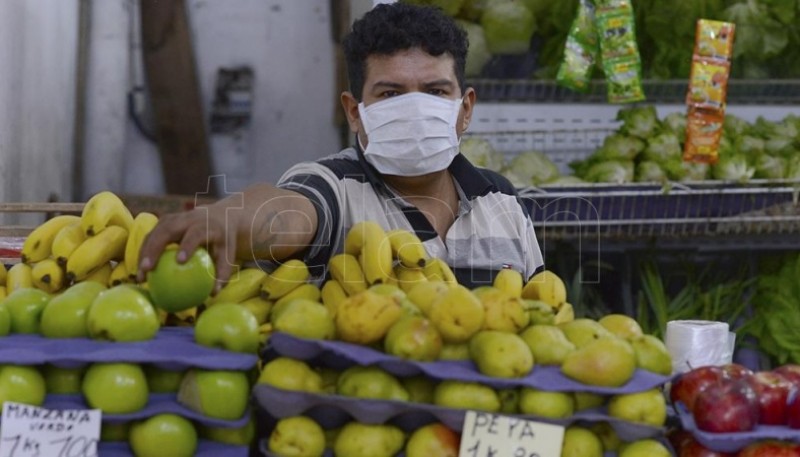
(30, 431)
(493, 435)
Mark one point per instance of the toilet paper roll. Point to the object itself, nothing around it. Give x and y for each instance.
(695, 343)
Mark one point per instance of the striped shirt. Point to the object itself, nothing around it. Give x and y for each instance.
(492, 230)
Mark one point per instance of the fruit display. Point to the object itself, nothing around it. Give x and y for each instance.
(391, 339)
(729, 408)
(79, 330)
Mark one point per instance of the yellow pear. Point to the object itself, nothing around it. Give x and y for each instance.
(547, 343)
(503, 311)
(500, 354)
(425, 294)
(547, 287)
(458, 314)
(621, 325)
(652, 355)
(365, 317)
(607, 362)
(583, 331)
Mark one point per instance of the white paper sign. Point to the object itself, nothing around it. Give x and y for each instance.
(493, 435)
(30, 431)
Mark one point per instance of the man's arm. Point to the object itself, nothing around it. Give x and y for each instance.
(262, 222)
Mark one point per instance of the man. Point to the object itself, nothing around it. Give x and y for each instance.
(408, 107)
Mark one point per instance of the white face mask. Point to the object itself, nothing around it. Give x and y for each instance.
(411, 134)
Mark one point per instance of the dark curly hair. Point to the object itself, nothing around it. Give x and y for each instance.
(389, 28)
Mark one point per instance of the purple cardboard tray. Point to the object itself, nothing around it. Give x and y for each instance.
(340, 355)
(156, 404)
(733, 442)
(172, 347)
(332, 411)
(205, 448)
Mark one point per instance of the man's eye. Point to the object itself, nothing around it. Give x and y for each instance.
(389, 93)
(436, 92)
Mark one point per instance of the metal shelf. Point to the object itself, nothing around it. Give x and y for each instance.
(742, 91)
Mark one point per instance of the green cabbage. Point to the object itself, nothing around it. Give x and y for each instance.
(619, 146)
(770, 167)
(478, 54)
(676, 123)
(733, 168)
(481, 153)
(648, 171)
(508, 26)
(639, 121)
(612, 171)
(663, 147)
(531, 168)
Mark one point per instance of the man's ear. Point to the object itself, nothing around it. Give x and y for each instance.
(350, 106)
(467, 104)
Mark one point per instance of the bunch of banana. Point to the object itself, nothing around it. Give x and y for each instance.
(547, 287)
(47, 275)
(244, 288)
(141, 227)
(290, 275)
(19, 276)
(39, 242)
(97, 252)
(104, 209)
(66, 241)
(368, 242)
(119, 275)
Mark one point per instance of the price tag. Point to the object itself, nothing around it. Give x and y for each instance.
(493, 435)
(30, 431)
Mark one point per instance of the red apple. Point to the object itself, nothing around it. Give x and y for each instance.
(679, 438)
(694, 449)
(790, 371)
(735, 371)
(770, 448)
(793, 408)
(686, 387)
(727, 407)
(772, 392)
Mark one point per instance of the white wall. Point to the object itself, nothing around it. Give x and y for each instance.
(38, 43)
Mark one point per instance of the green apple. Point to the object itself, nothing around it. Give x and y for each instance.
(466, 395)
(25, 306)
(115, 431)
(648, 407)
(297, 436)
(66, 314)
(434, 439)
(290, 374)
(645, 448)
(161, 380)
(115, 388)
(368, 440)
(227, 326)
(237, 436)
(543, 403)
(581, 442)
(62, 380)
(5, 319)
(220, 394)
(122, 314)
(370, 382)
(21, 384)
(162, 435)
(178, 286)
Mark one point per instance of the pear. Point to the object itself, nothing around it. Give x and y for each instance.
(544, 403)
(370, 382)
(395, 292)
(502, 311)
(425, 294)
(584, 330)
(648, 407)
(290, 374)
(565, 313)
(305, 319)
(297, 435)
(466, 395)
(646, 447)
(455, 351)
(420, 388)
(458, 314)
(364, 318)
(652, 355)
(588, 400)
(368, 440)
(413, 338)
(500, 354)
(608, 436)
(581, 442)
(547, 287)
(509, 400)
(621, 325)
(329, 378)
(547, 343)
(606, 362)
(540, 312)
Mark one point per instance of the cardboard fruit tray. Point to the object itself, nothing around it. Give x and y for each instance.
(340, 355)
(204, 449)
(733, 442)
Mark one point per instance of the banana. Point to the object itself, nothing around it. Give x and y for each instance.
(509, 281)
(3, 274)
(546, 286)
(142, 225)
(184, 318)
(407, 278)
(437, 269)
(259, 307)
(48, 276)
(100, 274)
(332, 294)
(3, 293)
(96, 252)
(307, 291)
(367, 241)
(66, 241)
(346, 269)
(284, 279)
(119, 275)
(38, 243)
(407, 248)
(19, 277)
(242, 286)
(104, 209)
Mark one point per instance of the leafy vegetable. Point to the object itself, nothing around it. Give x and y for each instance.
(733, 168)
(647, 171)
(676, 123)
(481, 153)
(531, 168)
(508, 26)
(478, 54)
(770, 167)
(639, 121)
(620, 146)
(611, 172)
(662, 148)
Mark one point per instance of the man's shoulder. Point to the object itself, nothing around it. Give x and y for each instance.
(339, 165)
(500, 182)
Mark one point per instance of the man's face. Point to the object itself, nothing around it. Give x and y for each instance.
(411, 70)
